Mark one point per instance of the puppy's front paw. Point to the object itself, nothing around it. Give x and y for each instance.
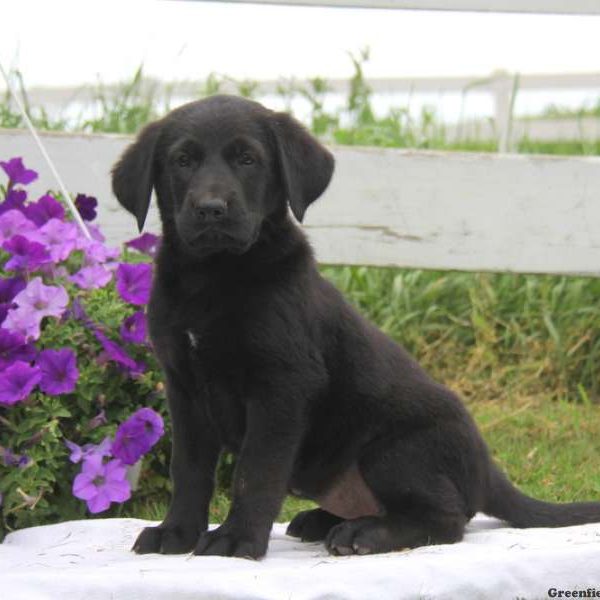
(228, 542)
(174, 539)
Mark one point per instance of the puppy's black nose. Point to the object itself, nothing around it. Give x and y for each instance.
(211, 211)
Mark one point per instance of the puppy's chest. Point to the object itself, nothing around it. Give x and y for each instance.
(224, 370)
(221, 383)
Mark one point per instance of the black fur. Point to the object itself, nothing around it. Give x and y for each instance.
(264, 357)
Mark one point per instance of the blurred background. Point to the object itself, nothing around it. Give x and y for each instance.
(418, 78)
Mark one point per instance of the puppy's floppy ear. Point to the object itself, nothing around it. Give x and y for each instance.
(306, 165)
(134, 174)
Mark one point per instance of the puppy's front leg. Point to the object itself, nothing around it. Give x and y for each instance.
(260, 482)
(193, 460)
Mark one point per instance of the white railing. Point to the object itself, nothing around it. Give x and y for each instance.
(503, 126)
(572, 7)
(386, 207)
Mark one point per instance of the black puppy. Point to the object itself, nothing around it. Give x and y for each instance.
(265, 358)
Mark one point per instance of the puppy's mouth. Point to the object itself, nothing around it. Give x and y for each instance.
(212, 236)
(213, 239)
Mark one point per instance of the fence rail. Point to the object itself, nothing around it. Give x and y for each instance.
(387, 207)
(572, 7)
(498, 84)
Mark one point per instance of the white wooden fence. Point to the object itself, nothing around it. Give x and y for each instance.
(388, 207)
(500, 85)
(573, 7)
(404, 208)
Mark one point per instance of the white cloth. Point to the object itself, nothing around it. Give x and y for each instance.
(91, 560)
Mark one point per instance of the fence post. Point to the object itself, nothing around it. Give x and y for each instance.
(502, 88)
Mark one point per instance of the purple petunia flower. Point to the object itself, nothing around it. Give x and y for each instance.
(17, 382)
(34, 303)
(45, 300)
(133, 282)
(96, 252)
(44, 209)
(10, 459)
(78, 453)
(92, 277)
(96, 233)
(147, 243)
(100, 484)
(14, 200)
(76, 311)
(114, 352)
(9, 288)
(13, 347)
(59, 371)
(25, 322)
(86, 205)
(133, 328)
(137, 435)
(13, 222)
(58, 237)
(17, 173)
(26, 254)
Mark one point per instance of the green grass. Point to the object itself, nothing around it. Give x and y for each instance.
(522, 351)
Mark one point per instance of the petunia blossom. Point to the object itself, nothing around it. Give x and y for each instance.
(96, 252)
(9, 288)
(133, 328)
(59, 370)
(11, 459)
(34, 303)
(92, 277)
(134, 282)
(44, 209)
(17, 382)
(13, 347)
(78, 453)
(137, 435)
(100, 484)
(13, 222)
(96, 233)
(44, 300)
(17, 172)
(59, 237)
(26, 255)
(113, 352)
(14, 200)
(147, 243)
(86, 205)
(23, 321)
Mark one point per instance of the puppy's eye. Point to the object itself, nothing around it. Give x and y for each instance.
(245, 158)
(183, 160)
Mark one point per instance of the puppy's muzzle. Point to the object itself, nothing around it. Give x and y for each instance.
(211, 211)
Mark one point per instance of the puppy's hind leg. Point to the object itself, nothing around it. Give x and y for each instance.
(396, 531)
(312, 525)
(420, 505)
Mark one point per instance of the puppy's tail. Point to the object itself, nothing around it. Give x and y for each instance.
(506, 502)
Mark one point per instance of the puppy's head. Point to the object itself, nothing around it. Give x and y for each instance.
(221, 167)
